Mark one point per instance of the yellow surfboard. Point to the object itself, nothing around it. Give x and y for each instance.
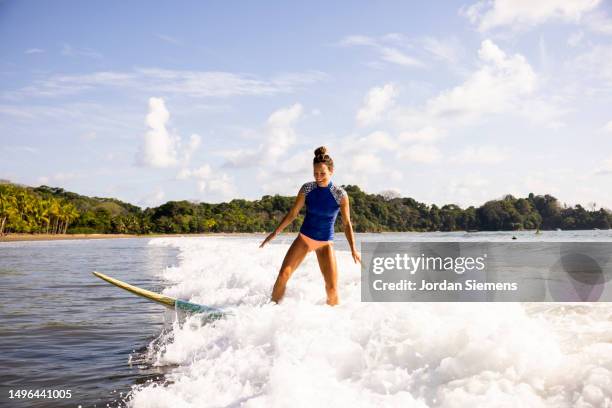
(164, 300)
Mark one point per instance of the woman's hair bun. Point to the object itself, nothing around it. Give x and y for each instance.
(320, 150)
(321, 156)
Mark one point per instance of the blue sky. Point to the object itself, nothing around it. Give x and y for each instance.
(445, 102)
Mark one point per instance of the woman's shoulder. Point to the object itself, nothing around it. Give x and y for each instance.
(308, 187)
(338, 192)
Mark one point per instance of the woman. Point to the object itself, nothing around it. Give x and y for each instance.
(323, 201)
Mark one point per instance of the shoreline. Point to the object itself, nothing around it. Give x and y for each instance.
(17, 237)
(61, 237)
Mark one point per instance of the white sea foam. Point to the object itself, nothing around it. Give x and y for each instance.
(303, 353)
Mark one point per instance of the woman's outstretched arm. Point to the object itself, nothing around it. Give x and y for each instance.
(288, 219)
(348, 228)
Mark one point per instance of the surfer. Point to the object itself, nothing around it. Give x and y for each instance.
(323, 201)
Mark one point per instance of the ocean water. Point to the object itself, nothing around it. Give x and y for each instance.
(61, 328)
(301, 353)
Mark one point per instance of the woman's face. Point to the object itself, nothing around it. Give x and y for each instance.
(322, 174)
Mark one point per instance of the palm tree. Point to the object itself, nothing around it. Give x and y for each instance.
(23, 221)
(8, 209)
(61, 217)
(70, 214)
(43, 211)
(54, 215)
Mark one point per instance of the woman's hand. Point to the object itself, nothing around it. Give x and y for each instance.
(356, 256)
(268, 239)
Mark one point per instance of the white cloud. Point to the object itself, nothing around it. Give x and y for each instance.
(607, 127)
(384, 48)
(605, 167)
(398, 57)
(16, 111)
(543, 112)
(352, 40)
(196, 84)
(34, 51)
(70, 51)
(599, 22)
(160, 147)
(11, 150)
(298, 163)
(420, 153)
(498, 86)
(538, 183)
(575, 39)
(183, 174)
(278, 136)
(361, 156)
(222, 185)
(59, 177)
(62, 176)
(89, 136)
(466, 190)
(194, 143)
(398, 38)
(502, 83)
(449, 50)
(209, 181)
(281, 134)
(225, 84)
(595, 63)
(399, 49)
(202, 172)
(480, 155)
(169, 39)
(376, 102)
(426, 134)
(376, 141)
(487, 14)
(153, 199)
(81, 119)
(61, 85)
(366, 163)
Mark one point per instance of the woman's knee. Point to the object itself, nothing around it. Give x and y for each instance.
(285, 273)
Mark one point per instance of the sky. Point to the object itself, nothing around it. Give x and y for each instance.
(454, 102)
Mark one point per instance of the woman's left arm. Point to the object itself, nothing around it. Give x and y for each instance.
(348, 227)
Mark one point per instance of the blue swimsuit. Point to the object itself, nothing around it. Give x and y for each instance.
(322, 206)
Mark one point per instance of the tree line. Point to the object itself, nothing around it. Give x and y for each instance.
(56, 211)
(21, 210)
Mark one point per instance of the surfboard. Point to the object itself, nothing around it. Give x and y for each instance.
(167, 301)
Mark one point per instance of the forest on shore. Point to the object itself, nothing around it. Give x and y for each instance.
(53, 210)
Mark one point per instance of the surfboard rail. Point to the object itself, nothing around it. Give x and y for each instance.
(167, 301)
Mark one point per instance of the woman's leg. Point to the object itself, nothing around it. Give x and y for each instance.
(327, 263)
(295, 255)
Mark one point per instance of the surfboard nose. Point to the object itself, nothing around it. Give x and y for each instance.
(164, 300)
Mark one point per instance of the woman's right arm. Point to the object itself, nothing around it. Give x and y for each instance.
(288, 219)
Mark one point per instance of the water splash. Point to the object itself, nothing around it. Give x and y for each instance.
(303, 353)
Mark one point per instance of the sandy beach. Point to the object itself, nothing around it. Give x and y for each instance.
(57, 237)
